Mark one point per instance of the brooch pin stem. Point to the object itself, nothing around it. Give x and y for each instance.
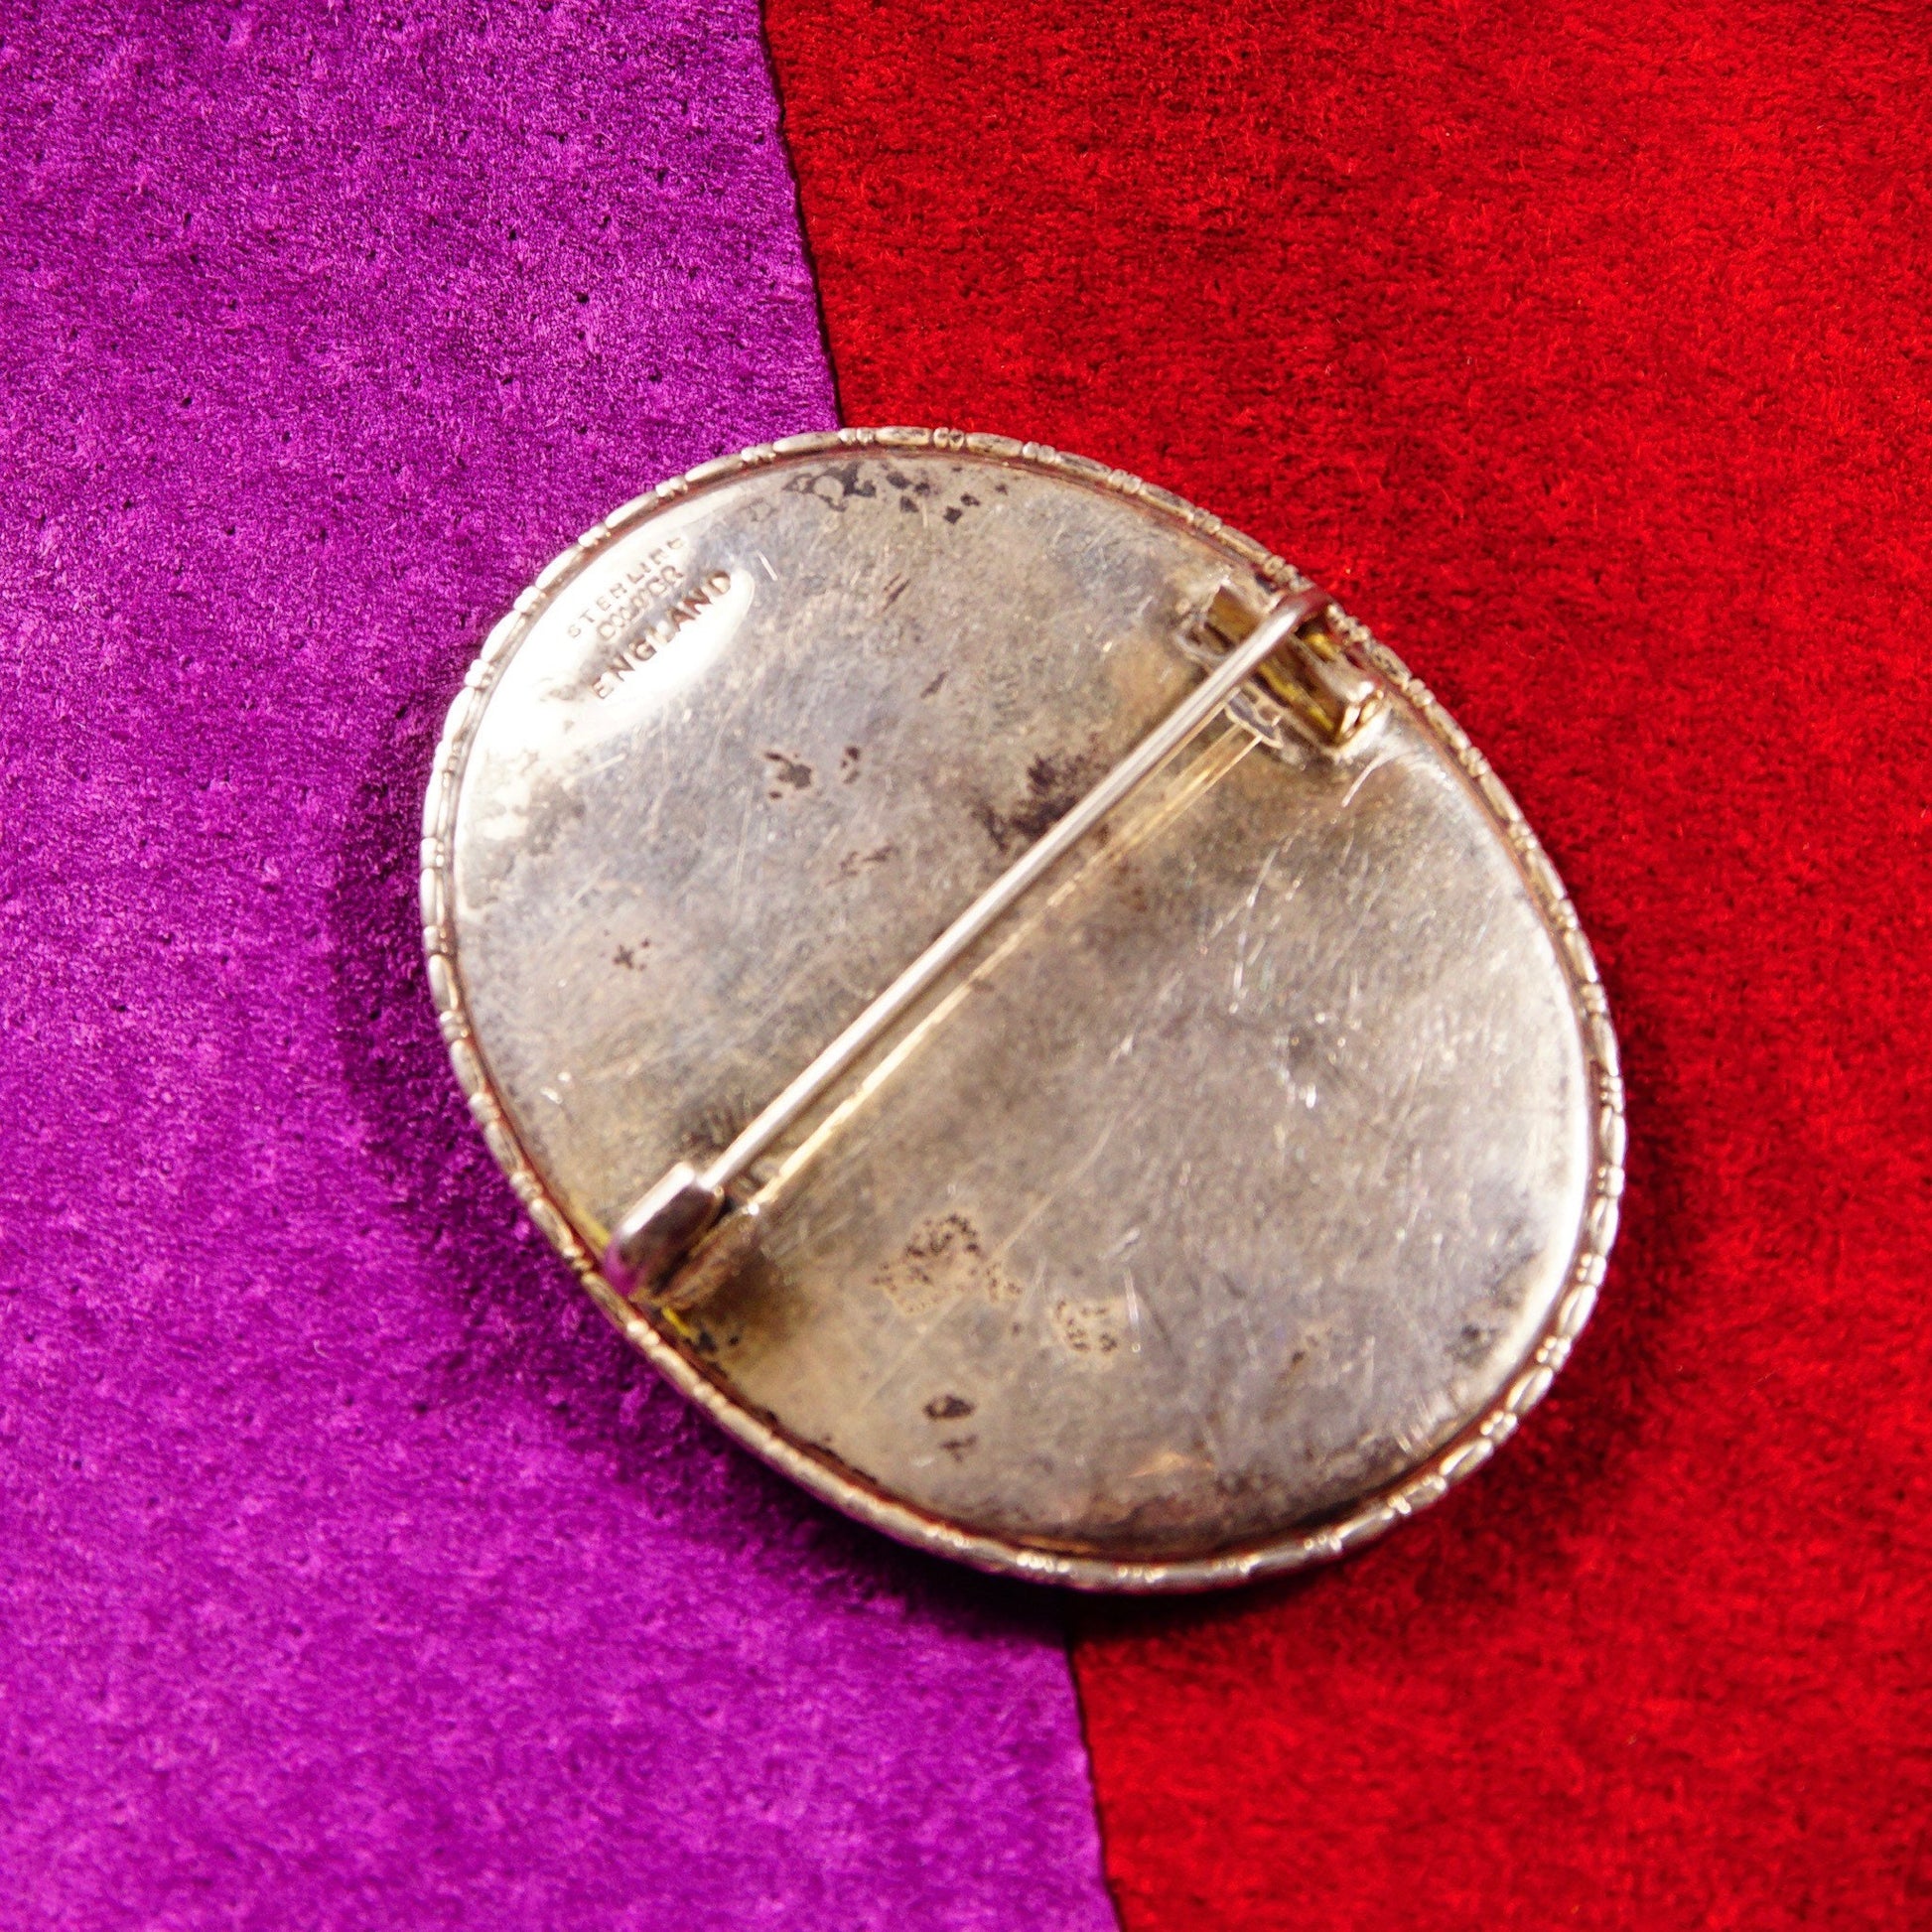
(652, 1239)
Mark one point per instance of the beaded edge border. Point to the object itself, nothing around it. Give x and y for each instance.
(1462, 1457)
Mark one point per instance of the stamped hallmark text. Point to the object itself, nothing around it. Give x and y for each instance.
(627, 598)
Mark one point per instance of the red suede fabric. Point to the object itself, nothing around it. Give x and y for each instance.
(1584, 353)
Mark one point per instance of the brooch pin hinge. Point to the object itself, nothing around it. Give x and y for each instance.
(1327, 698)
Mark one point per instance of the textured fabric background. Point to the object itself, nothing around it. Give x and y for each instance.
(1587, 352)
(351, 1573)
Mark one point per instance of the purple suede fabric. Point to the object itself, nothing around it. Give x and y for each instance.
(353, 1572)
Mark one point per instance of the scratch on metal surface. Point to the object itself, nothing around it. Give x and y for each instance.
(1247, 1332)
(1368, 772)
(743, 833)
(870, 1398)
(1247, 923)
(1059, 1187)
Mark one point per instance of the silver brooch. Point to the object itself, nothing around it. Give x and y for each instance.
(1022, 1009)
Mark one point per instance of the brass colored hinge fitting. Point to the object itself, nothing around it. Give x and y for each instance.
(1327, 697)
